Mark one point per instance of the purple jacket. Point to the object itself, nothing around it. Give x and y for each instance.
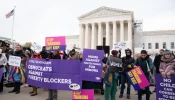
(167, 67)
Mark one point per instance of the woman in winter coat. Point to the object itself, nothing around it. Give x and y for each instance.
(34, 89)
(168, 64)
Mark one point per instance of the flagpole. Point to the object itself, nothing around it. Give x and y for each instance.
(13, 25)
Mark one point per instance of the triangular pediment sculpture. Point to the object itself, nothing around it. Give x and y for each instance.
(105, 11)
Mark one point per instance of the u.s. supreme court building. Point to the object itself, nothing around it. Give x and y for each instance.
(105, 26)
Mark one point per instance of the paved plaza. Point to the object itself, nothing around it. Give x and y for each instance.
(62, 95)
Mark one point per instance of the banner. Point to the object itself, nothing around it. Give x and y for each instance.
(91, 68)
(85, 94)
(14, 61)
(1, 73)
(165, 88)
(137, 78)
(53, 48)
(54, 74)
(52, 41)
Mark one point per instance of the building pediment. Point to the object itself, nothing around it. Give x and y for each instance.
(105, 12)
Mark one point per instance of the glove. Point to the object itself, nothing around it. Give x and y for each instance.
(169, 75)
(163, 74)
(130, 66)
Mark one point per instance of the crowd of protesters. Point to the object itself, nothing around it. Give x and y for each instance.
(113, 76)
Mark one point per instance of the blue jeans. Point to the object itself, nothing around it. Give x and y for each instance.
(124, 79)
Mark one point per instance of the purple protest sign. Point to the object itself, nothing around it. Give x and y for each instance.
(54, 74)
(165, 88)
(1, 73)
(91, 68)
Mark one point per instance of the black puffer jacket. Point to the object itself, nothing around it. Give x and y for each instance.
(127, 60)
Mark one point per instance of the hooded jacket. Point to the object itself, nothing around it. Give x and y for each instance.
(127, 61)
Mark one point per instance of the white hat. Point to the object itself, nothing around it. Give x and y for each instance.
(0, 51)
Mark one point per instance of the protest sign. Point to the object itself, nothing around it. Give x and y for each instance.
(14, 61)
(36, 47)
(165, 88)
(52, 41)
(138, 78)
(53, 48)
(54, 74)
(91, 68)
(119, 45)
(1, 73)
(84, 94)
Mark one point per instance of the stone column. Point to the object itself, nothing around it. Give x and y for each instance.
(100, 34)
(107, 34)
(121, 31)
(86, 35)
(93, 36)
(81, 38)
(130, 33)
(114, 32)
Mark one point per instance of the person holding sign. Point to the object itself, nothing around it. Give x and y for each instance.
(3, 61)
(18, 53)
(127, 66)
(145, 64)
(114, 65)
(34, 91)
(167, 66)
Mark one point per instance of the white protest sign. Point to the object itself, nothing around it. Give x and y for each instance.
(119, 45)
(14, 61)
(36, 47)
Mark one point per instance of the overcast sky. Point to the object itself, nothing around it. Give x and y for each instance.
(37, 19)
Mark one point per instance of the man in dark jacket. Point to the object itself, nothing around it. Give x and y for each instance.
(18, 53)
(157, 61)
(43, 53)
(145, 64)
(127, 62)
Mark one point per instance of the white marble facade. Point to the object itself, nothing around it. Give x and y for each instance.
(153, 41)
(114, 25)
